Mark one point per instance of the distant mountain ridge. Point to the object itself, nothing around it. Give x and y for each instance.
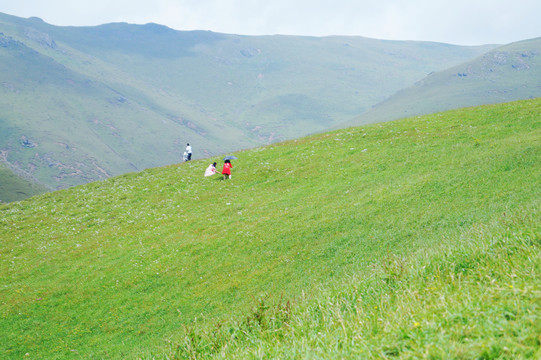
(507, 73)
(105, 100)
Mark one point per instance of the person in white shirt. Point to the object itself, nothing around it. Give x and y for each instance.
(211, 170)
(189, 151)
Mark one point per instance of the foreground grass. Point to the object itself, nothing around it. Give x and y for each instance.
(355, 224)
(477, 296)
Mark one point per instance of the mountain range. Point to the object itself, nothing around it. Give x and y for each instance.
(80, 104)
(507, 73)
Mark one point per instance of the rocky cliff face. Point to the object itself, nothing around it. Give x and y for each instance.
(40, 37)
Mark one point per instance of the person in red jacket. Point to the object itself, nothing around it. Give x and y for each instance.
(227, 169)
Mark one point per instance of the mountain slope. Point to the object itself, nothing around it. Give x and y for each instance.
(14, 187)
(508, 73)
(101, 101)
(125, 266)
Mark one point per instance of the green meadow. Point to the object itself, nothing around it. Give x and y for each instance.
(417, 238)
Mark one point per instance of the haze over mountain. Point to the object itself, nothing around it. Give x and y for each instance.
(84, 103)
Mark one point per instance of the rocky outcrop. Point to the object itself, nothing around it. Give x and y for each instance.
(8, 42)
(26, 142)
(40, 37)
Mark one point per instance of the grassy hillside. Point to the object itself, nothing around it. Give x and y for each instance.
(106, 100)
(88, 120)
(507, 73)
(15, 188)
(406, 238)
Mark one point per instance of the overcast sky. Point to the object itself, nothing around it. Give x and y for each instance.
(463, 22)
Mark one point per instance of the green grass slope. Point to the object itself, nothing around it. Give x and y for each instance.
(507, 73)
(105, 100)
(413, 238)
(86, 120)
(15, 188)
